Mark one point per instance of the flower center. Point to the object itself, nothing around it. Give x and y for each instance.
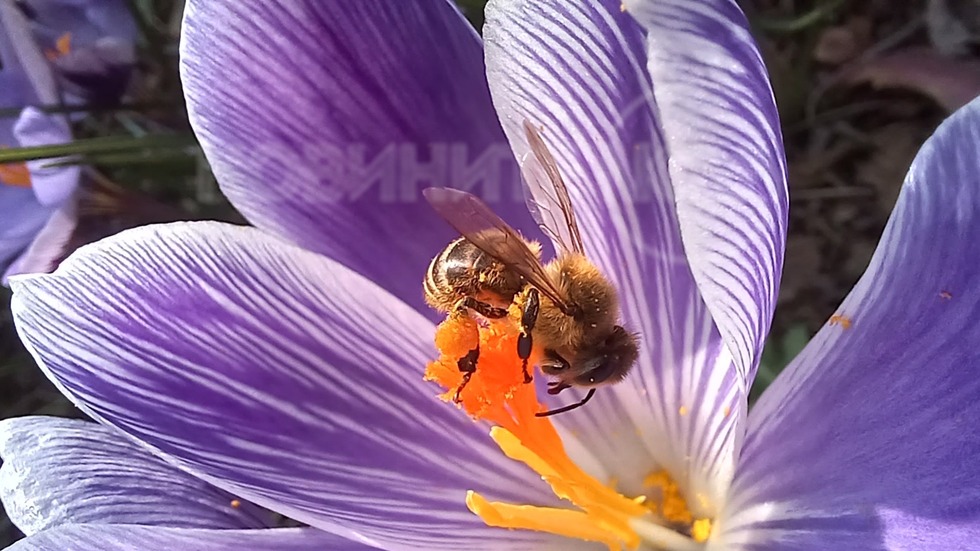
(497, 393)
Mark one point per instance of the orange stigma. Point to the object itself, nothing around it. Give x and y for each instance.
(14, 174)
(62, 47)
(497, 393)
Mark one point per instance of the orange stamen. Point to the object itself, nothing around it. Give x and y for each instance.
(498, 394)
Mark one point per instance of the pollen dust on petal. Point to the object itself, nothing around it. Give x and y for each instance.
(842, 320)
(497, 393)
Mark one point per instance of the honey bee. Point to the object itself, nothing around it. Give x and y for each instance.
(569, 309)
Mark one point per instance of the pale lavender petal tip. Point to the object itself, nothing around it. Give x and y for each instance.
(64, 471)
(121, 537)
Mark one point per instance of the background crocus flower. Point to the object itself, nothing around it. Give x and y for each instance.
(90, 43)
(30, 193)
(282, 363)
(84, 43)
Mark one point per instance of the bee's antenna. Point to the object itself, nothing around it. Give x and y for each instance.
(570, 407)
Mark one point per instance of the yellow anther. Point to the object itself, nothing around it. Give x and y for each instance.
(564, 522)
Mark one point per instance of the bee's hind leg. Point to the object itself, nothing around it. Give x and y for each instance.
(467, 364)
(529, 316)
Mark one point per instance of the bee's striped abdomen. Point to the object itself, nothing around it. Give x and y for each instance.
(462, 270)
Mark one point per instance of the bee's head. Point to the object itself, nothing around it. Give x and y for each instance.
(607, 361)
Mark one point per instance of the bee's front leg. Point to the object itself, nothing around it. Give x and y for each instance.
(529, 316)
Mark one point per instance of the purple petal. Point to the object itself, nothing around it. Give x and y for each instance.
(48, 246)
(65, 471)
(578, 69)
(88, 21)
(122, 537)
(295, 101)
(97, 67)
(51, 185)
(274, 373)
(98, 74)
(869, 439)
(721, 132)
(23, 218)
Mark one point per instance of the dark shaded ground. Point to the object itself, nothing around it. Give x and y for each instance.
(848, 149)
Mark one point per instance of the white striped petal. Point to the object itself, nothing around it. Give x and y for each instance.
(123, 537)
(577, 70)
(726, 164)
(869, 440)
(323, 120)
(274, 373)
(67, 471)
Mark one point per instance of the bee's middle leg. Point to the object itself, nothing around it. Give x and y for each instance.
(529, 316)
(467, 364)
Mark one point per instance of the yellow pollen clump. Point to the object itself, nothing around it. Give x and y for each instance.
(673, 507)
(498, 394)
(235, 504)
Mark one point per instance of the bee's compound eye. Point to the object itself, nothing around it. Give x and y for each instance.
(552, 363)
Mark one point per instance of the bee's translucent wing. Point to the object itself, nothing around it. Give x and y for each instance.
(474, 220)
(547, 196)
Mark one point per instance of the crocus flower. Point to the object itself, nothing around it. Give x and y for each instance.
(90, 43)
(282, 363)
(30, 193)
(87, 61)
